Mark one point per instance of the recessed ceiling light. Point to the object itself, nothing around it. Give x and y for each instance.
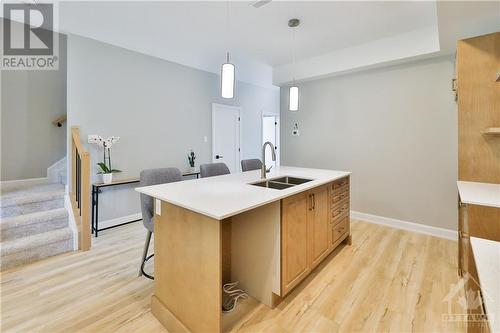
(259, 3)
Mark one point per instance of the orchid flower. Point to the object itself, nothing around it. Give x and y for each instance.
(111, 140)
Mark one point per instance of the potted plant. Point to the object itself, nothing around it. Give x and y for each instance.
(105, 167)
(191, 158)
(106, 172)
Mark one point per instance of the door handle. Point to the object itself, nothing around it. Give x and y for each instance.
(310, 202)
(218, 156)
(314, 201)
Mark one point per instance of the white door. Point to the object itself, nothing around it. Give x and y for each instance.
(226, 135)
(270, 133)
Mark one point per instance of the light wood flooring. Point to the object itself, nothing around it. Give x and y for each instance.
(388, 281)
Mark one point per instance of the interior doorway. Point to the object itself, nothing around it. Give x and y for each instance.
(270, 132)
(226, 139)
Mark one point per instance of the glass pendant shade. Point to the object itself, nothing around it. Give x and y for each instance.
(227, 80)
(293, 102)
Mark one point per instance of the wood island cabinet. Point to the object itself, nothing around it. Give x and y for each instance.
(313, 224)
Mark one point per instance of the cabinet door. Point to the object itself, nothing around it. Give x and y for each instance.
(294, 259)
(319, 225)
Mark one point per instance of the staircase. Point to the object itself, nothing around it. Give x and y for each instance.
(34, 223)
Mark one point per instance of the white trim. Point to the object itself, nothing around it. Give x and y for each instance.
(54, 169)
(240, 152)
(71, 220)
(277, 118)
(119, 220)
(404, 225)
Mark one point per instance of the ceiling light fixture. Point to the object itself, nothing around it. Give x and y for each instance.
(293, 92)
(227, 75)
(227, 79)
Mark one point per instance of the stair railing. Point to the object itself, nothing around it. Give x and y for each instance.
(80, 189)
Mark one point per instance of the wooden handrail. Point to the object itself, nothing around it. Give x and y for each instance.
(59, 121)
(80, 189)
(75, 134)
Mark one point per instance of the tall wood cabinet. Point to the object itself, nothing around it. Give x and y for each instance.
(478, 89)
(313, 223)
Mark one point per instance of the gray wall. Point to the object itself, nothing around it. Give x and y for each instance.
(31, 100)
(395, 128)
(160, 110)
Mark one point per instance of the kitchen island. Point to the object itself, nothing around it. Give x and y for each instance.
(268, 235)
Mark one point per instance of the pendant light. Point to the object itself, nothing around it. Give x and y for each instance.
(227, 75)
(293, 92)
(227, 79)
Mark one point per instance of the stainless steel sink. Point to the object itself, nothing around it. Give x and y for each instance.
(281, 183)
(291, 180)
(273, 184)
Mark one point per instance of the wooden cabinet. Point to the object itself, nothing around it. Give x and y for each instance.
(318, 225)
(313, 223)
(339, 211)
(294, 261)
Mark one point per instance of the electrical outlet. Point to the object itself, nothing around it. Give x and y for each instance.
(93, 138)
(295, 132)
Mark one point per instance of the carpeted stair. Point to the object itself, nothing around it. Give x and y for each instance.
(33, 225)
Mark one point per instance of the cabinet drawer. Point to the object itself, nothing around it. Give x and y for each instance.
(337, 219)
(340, 229)
(340, 208)
(338, 184)
(339, 195)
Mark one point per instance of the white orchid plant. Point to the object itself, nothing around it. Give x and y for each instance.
(106, 145)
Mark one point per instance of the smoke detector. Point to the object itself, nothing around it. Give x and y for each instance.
(294, 22)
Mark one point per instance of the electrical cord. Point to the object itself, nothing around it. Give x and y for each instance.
(231, 296)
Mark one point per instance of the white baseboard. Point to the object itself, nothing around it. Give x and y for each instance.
(119, 220)
(404, 225)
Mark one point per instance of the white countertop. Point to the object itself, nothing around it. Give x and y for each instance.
(487, 258)
(221, 197)
(482, 194)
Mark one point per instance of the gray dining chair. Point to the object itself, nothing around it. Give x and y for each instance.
(213, 169)
(251, 164)
(150, 177)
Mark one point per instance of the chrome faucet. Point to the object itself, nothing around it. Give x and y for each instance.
(273, 152)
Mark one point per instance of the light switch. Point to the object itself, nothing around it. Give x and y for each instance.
(158, 207)
(205, 139)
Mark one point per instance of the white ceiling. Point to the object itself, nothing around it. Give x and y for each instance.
(200, 27)
(195, 33)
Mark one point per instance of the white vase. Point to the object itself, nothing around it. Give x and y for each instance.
(107, 178)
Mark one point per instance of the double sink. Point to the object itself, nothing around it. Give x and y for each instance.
(281, 183)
